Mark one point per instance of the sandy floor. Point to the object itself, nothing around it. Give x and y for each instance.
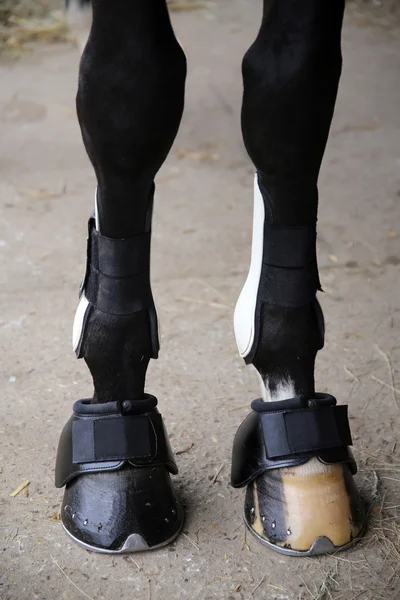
(202, 230)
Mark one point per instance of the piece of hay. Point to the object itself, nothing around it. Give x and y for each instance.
(55, 516)
(70, 580)
(19, 489)
(195, 544)
(214, 480)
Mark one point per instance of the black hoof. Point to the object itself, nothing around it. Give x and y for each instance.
(115, 461)
(130, 510)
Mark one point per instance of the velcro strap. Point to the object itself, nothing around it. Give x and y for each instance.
(289, 275)
(289, 246)
(118, 296)
(287, 433)
(113, 438)
(120, 257)
(117, 279)
(305, 430)
(289, 287)
(104, 437)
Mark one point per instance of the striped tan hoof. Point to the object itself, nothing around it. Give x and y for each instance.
(305, 510)
(293, 456)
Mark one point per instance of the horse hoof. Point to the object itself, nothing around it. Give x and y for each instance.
(130, 510)
(293, 455)
(305, 510)
(115, 461)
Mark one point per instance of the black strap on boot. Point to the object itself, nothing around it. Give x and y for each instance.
(117, 278)
(104, 437)
(289, 273)
(288, 433)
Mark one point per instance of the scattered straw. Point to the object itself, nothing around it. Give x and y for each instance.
(55, 516)
(352, 562)
(19, 489)
(275, 587)
(178, 452)
(395, 390)
(375, 489)
(389, 366)
(230, 579)
(257, 586)
(70, 580)
(245, 544)
(139, 568)
(327, 584)
(217, 473)
(195, 544)
(42, 193)
(357, 595)
(347, 370)
(24, 21)
(29, 20)
(196, 533)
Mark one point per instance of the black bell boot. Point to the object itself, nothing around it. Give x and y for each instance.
(115, 462)
(293, 456)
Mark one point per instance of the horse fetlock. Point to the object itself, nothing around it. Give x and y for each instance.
(288, 342)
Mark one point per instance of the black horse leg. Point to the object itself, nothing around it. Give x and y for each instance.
(291, 75)
(114, 456)
(129, 102)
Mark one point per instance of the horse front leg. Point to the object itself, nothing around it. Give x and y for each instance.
(114, 456)
(291, 451)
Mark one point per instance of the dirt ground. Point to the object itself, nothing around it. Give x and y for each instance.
(202, 233)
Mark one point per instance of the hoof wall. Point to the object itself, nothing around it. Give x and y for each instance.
(131, 510)
(306, 510)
